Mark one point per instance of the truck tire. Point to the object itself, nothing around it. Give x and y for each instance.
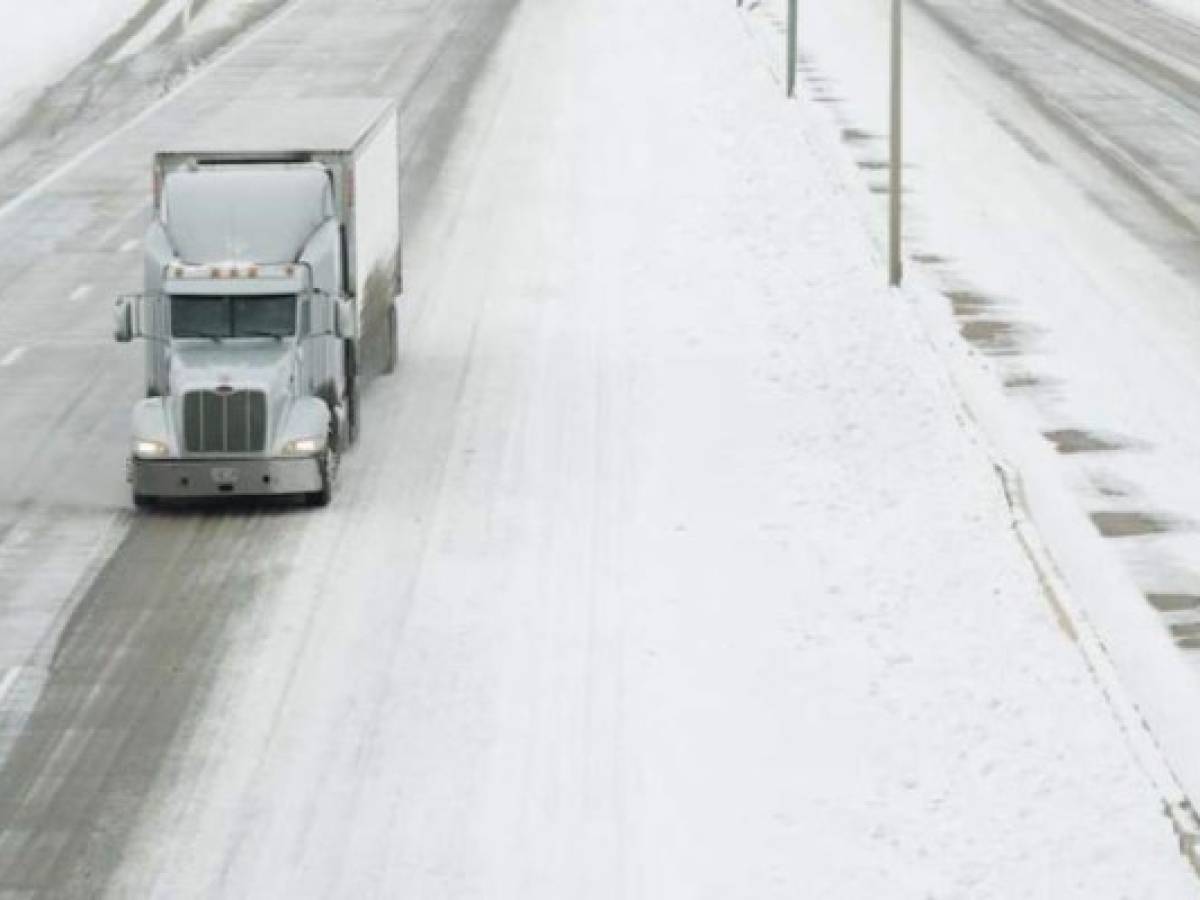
(393, 341)
(352, 394)
(353, 407)
(351, 401)
(325, 494)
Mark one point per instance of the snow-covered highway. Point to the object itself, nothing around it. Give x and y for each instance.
(670, 565)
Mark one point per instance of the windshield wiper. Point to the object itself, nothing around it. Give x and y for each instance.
(271, 334)
(217, 338)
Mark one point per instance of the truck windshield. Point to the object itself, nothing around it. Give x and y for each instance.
(208, 316)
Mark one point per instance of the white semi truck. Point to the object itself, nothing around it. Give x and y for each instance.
(272, 266)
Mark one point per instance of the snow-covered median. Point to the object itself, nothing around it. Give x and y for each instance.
(40, 42)
(1087, 339)
(68, 81)
(670, 567)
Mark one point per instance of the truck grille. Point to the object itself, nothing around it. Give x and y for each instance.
(232, 422)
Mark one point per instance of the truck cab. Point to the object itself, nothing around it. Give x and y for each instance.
(245, 399)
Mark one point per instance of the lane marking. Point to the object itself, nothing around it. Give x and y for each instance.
(221, 58)
(9, 679)
(129, 245)
(12, 356)
(80, 292)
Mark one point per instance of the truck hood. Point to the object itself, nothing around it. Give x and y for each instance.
(265, 367)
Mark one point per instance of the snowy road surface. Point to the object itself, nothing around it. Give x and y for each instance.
(1123, 79)
(668, 566)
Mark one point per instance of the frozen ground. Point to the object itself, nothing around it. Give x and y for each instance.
(1078, 288)
(40, 42)
(669, 567)
(71, 72)
(1049, 192)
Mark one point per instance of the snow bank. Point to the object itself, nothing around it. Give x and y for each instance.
(125, 73)
(1104, 333)
(40, 42)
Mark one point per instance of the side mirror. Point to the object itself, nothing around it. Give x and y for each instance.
(123, 320)
(346, 322)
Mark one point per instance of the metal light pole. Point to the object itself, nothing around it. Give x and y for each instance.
(793, 14)
(896, 181)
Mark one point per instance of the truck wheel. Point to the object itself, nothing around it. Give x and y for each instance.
(353, 405)
(393, 341)
(352, 395)
(325, 494)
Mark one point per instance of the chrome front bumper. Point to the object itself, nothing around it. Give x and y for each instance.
(224, 477)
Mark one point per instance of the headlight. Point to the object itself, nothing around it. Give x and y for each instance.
(149, 449)
(309, 446)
